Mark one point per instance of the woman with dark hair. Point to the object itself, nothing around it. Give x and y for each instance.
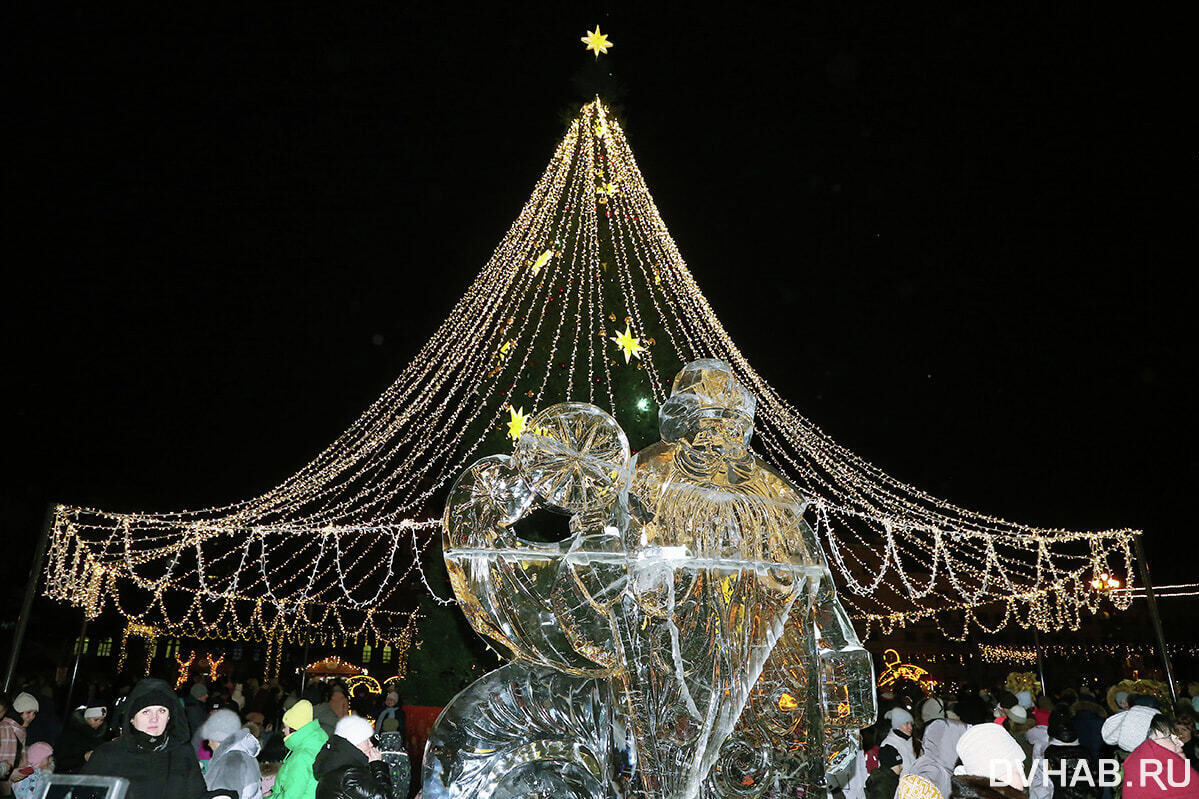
(1156, 769)
(154, 751)
(86, 729)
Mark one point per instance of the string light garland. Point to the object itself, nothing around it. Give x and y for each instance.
(214, 665)
(145, 631)
(185, 669)
(334, 553)
(991, 653)
(333, 666)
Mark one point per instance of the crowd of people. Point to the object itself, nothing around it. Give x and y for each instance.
(251, 741)
(218, 741)
(1070, 744)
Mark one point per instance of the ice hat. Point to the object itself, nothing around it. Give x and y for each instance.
(354, 729)
(95, 712)
(220, 725)
(25, 701)
(899, 717)
(1128, 729)
(38, 753)
(987, 750)
(913, 786)
(932, 708)
(1024, 698)
(299, 715)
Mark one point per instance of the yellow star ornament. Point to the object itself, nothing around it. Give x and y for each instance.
(596, 42)
(516, 425)
(630, 346)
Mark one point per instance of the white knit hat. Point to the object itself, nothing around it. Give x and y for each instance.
(987, 750)
(899, 717)
(354, 729)
(1128, 729)
(220, 725)
(1017, 713)
(932, 708)
(25, 701)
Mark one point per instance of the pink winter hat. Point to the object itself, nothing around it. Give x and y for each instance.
(37, 754)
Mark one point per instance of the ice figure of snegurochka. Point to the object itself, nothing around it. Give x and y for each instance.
(684, 638)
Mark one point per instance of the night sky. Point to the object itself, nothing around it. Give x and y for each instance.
(961, 241)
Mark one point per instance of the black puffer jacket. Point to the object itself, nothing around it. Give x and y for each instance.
(76, 741)
(343, 772)
(156, 768)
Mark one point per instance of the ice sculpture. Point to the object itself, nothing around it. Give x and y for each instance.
(683, 639)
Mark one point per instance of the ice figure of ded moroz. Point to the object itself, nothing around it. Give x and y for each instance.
(682, 640)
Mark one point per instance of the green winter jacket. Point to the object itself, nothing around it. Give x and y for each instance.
(295, 779)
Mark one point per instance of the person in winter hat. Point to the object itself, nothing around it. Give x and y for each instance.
(987, 750)
(195, 705)
(1156, 768)
(883, 781)
(14, 729)
(900, 737)
(350, 766)
(1128, 728)
(234, 749)
(304, 741)
(85, 730)
(37, 767)
(391, 717)
(1016, 721)
(932, 709)
(154, 750)
(940, 753)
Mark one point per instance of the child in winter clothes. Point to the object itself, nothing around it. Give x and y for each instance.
(37, 767)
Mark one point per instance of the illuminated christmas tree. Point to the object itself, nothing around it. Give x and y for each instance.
(585, 299)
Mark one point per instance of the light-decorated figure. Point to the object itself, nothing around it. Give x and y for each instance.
(680, 637)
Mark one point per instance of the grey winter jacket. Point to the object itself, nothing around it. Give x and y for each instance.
(233, 766)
